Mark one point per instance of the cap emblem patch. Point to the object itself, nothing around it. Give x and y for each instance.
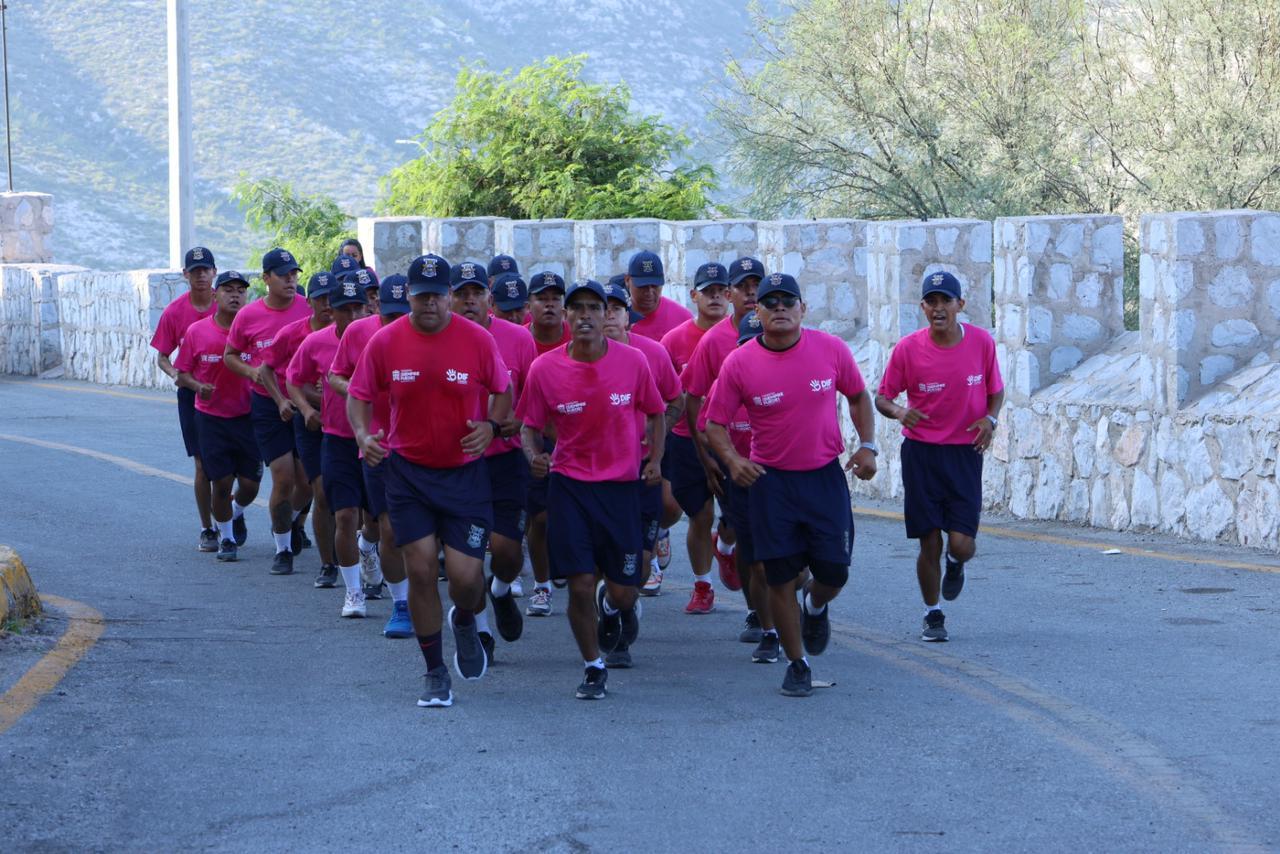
(775, 279)
(746, 264)
(429, 268)
(397, 292)
(468, 271)
(197, 254)
(285, 256)
(348, 289)
(513, 290)
(646, 266)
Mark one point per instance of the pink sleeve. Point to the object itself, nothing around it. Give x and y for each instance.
(532, 409)
(497, 379)
(367, 382)
(848, 378)
(727, 397)
(668, 382)
(894, 381)
(237, 338)
(694, 376)
(185, 361)
(303, 369)
(649, 401)
(342, 358)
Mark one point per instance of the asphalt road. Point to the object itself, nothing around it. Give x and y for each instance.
(1085, 702)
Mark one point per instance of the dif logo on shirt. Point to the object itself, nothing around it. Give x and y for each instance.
(821, 385)
(620, 399)
(459, 377)
(974, 379)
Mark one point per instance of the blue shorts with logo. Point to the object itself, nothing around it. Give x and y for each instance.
(227, 447)
(802, 514)
(594, 526)
(187, 421)
(343, 473)
(736, 510)
(307, 444)
(375, 486)
(274, 437)
(509, 486)
(688, 477)
(453, 504)
(942, 488)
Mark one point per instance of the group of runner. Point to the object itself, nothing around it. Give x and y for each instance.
(429, 420)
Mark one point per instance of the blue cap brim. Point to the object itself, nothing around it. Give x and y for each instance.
(509, 305)
(283, 268)
(648, 281)
(393, 307)
(429, 288)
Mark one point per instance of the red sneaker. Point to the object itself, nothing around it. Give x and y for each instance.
(703, 600)
(728, 565)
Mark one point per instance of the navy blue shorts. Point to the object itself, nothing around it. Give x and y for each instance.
(509, 486)
(594, 526)
(942, 487)
(802, 513)
(650, 510)
(343, 473)
(274, 437)
(187, 421)
(688, 477)
(307, 444)
(536, 497)
(227, 447)
(737, 512)
(375, 487)
(451, 503)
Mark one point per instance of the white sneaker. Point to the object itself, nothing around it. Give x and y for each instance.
(517, 589)
(353, 605)
(370, 567)
(653, 586)
(539, 603)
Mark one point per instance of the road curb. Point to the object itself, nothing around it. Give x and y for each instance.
(18, 598)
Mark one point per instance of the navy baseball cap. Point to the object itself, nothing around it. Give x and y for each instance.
(589, 285)
(502, 264)
(198, 256)
(428, 274)
(617, 291)
(469, 273)
(509, 291)
(321, 284)
(279, 261)
(645, 269)
(393, 295)
(539, 282)
(348, 291)
(745, 268)
(230, 276)
(940, 283)
(711, 274)
(365, 278)
(749, 328)
(343, 264)
(778, 283)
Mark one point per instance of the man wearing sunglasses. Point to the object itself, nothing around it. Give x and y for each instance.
(954, 393)
(801, 517)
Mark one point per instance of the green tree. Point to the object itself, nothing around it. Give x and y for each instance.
(543, 143)
(311, 227)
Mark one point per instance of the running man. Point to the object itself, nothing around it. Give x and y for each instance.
(508, 469)
(511, 298)
(449, 394)
(223, 430)
(198, 268)
(591, 393)
(253, 331)
(801, 515)
(658, 315)
(954, 394)
(393, 303)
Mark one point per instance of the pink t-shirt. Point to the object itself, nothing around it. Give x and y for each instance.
(436, 383)
(518, 350)
(547, 348)
(350, 346)
(288, 340)
(680, 343)
(739, 428)
(667, 316)
(594, 407)
(949, 384)
(663, 372)
(256, 326)
(176, 318)
(201, 356)
(310, 365)
(710, 353)
(790, 398)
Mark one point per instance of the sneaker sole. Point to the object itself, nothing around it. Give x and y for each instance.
(933, 640)
(529, 613)
(757, 659)
(484, 666)
(354, 615)
(700, 611)
(325, 585)
(228, 558)
(644, 591)
(206, 549)
(436, 704)
(581, 695)
(794, 693)
(396, 635)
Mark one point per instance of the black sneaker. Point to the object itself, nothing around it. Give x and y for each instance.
(592, 687)
(815, 630)
(767, 651)
(506, 612)
(439, 689)
(208, 541)
(608, 629)
(798, 680)
(469, 657)
(935, 627)
(487, 641)
(328, 577)
(227, 551)
(283, 564)
(296, 535)
(751, 631)
(620, 658)
(953, 580)
(375, 591)
(631, 623)
(239, 530)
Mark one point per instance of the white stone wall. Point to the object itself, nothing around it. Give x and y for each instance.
(829, 258)
(538, 245)
(469, 238)
(391, 243)
(26, 228)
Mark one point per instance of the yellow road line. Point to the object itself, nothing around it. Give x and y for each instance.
(123, 462)
(172, 399)
(82, 632)
(1052, 539)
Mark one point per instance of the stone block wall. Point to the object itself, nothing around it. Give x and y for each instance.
(604, 247)
(468, 238)
(391, 243)
(829, 258)
(26, 228)
(538, 245)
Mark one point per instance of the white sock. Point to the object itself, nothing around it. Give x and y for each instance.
(653, 562)
(399, 590)
(482, 622)
(499, 587)
(351, 576)
(599, 662)
(283, 541)
(705, 578)
(809, 607)
(366, 547)
(236, 510)
(725, 548)
(224, 530)
(609, 610)
(928, 608)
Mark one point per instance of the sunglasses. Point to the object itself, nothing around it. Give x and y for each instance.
(772, 302)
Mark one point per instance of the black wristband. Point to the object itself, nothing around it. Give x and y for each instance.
(497, 428)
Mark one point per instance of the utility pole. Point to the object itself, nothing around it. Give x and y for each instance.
(181, 197)
(8, 131)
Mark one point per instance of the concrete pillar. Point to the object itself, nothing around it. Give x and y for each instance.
(26, 228)
(828, 257)
(538, 244)
(1059, 294)
(604, 246)
(688, 244)
(182, 228)
(458, 239)
(391, 242)
(1209, 288)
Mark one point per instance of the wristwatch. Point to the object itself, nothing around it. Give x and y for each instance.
(872, 447)
(995, 422)
(497, 428)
